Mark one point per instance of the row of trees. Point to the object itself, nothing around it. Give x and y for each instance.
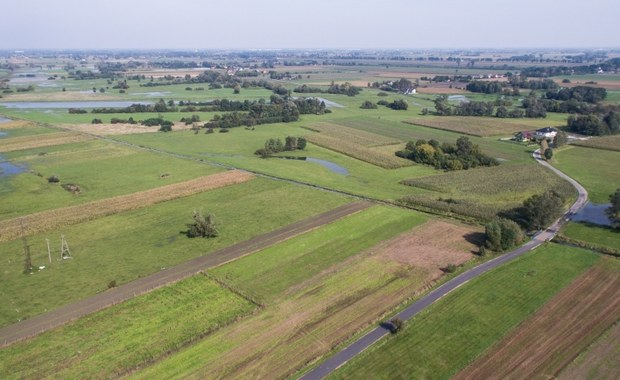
(462, 155)
(595, 125)
(342, 89)
(273, 146)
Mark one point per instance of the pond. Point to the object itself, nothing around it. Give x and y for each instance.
(593, 213)
(329, 103)
(333, 167)
(2, 134)
(81, 104)
(4, 120)
(458, 98)
(152, 94)
(7, 168)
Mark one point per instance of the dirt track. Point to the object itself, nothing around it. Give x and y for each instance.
(67, 313)
(544, 344)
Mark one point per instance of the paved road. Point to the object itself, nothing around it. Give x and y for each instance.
(67, 313)
(375, 335)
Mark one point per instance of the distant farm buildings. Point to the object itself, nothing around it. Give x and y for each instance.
(547, 133)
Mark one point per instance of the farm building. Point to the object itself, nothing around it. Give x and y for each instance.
(546, 133)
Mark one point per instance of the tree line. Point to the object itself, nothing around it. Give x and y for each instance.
(462, 155)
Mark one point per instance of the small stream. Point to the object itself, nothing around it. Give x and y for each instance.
(7, 168)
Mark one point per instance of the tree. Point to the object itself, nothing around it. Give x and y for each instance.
(290, 143)
(237, 89)
(301, 143)
(548, 154)
(613, 211)
(202, 227)
(544, 145)
(560, 139)
(541, 209)
(502, 234)
(367, 105)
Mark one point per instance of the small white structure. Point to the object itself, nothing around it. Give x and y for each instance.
(546, 133)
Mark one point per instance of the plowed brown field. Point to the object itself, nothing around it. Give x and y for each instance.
(547, 342)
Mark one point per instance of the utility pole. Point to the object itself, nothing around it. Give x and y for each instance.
(49, 251)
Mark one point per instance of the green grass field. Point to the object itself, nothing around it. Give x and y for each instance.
(298, 259)
(121, 338)
(101, 170)
(592, 234)
(128, 245)
(603, 142)
(452, 333)
(593, 168)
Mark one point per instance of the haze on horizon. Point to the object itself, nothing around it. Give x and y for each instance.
(282, 24)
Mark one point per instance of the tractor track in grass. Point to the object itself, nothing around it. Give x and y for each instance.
(41, 323)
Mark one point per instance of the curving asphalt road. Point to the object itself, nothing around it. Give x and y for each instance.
(379, 332)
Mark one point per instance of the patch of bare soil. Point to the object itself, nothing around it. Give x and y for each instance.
(432, 246)
(17, 124)
(120, 129)
(547, 342)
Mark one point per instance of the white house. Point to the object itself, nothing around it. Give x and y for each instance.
(546, 133)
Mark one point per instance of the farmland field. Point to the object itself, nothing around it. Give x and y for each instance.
(484, 192)
(604, 142)
(592, 168)
(131, 244)
(545, 343)
(445, 338)
(599, 362)
(480, 126)
(117, 340)
(119, 170)
(57, 218)
(308, 312)
(43, 140)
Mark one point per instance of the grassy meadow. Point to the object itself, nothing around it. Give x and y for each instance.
(127, 336)
(449, 335)
(593, 168)
(128, 245)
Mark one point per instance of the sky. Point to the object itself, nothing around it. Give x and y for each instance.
(312, 24)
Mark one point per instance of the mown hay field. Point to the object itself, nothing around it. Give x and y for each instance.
(548, 341)
(450, 334)
(133, 334)
(57, 218)
(42, 140)
(352, 135)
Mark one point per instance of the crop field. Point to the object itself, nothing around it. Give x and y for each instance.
(545, 343)
(592, 168)
(58, 218)
(357, 151)
(306, 314)
(43, 140)
(599, 362)
(484, 192)
(352, 135)
(132, 244)
(604, 142)
(100, 170)
(117, 340)
(445, 338)
(480, 126)
(504, 151)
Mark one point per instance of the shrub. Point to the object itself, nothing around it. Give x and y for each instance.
(368, 105)
(202, 227)
(53, 179)
(112, 284)
(96, 121)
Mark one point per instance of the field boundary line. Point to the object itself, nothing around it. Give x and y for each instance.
(67, 313)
